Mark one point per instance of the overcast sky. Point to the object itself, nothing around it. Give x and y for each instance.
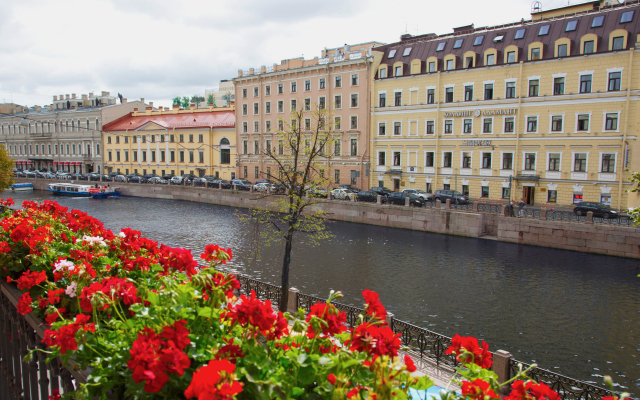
(159, 49)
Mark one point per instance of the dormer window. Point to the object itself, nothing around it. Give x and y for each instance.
(458, 44)
(478, 40)
(571, 26)
(597, 21)
(498, 38)
(626, 17)
(441, 46)
(544, 29)
(407, 51)
(392, 53)
(519, 34)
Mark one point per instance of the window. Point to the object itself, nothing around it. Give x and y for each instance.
(571, 26)
(498, 38)
(530, 161)
(153, 156)
(307, 85)
(484, 191)
(519, 34)
(117, 139)
(181, 155)
(588, 47)
(110, 155)
(554, 162)
(431, 96)
(583, 122)
(280, 106)
(245, 128)
(144, 155)
(244, 172)
(468, 63)
(200, 138)
(562, 50)
(507, 161)
(338, 123)
(135, 156)
(558, 86)
(267, 90)
(172, 156)
(448, 126)
(509, 124)
(382, 100)
(608, 163)
(449, 66)
(430, 127)
(382, 129)
(441, 46)
(280, 88)
(339, 80)
(354, 122)
(171, 139)
(307, 103)
(466, 160)
(458, 44)
(506, 193)
(321, 103)
(398, 71)
(597, 21)
(108, 139)
(268, 107)
(556, 123)
(626, 17)
(397, 128)
(478, 40)
(294, 87)
(398, 98)
(467, 125)
(618, 43)
(487, 125)
(294, 104)
(337, 101)
(256, 126)
(580, 162)
(244, 93)
(255, 92)
(511, 57)
(354, 79)
(486, 160)
(534, 85)
(532, 124)
(488, 91)
(337, 175)
(468, 93)
(190, 138)
(383, 73)
(354, 100)
(446, 159)
(268, 148)
(544, 29)
(429, 159)
(511, 90)
(336, 148)
(491, 59)
(432, 66)
(354, 147)
(397, 158)
(611, 122)
(535, 53)
(406, 52)
(225, 156)
(382, 158)
(322, 83)
(585, 83)
(448, 95)
(614, 81)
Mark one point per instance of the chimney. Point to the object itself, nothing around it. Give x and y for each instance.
(124, 101)
(192, 106)
(90, 94)
(151, 103)
(135, 109)
(84, 97)
(55, 98)
(67, 96)
(73, 95)
(61, 97)
(176, 107)
(166, 108)
(105, 93)
(141, 99)
(149, 108)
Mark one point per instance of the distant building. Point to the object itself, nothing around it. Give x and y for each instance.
(11, 108)
(223, 95)
(66, 135)
(173, 141)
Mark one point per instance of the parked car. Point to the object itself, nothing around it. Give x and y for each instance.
(241, 184)
(106, 178)
(147, 176)
(157, 180)
(167, 177)
(348, 187)
(318, 192)
(49, 175)
(455, 196)
(30, 174)
(343, 194)
(216, 182)
(137, 179)
(19, 174)
(399, 199)
(382, 191)
(114, 173)
(368, 196)
(39, 174)
(264, 187)
(133, 174)
(119, 178)
(420, 193)
(200, 181)
(599, 210)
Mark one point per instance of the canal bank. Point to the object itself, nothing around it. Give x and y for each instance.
(622, 241)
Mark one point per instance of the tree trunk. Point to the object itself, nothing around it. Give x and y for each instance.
(284, 295)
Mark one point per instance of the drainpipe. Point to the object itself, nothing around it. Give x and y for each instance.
(624, 129)
(436, 156)
(515, 156)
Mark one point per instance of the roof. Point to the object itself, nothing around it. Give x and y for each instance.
(423, 47)
(212, 119)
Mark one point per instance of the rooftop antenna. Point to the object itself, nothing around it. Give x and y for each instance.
(536, 7)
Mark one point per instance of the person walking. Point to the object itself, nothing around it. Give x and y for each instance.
(521, 208)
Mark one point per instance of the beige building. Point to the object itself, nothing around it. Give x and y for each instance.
(543, 109)
(223, 94)
(339, 80)
(173, 141)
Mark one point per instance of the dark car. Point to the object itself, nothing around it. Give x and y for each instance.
(167, 177)
(349, 187)
(382, 191)
(147, 176)
(216, 184)
(114, 173)
(399, 199)
(455, 196)
(138, 179)
(242, 184)
(367, 196)
(106, 178)
(133, 174)
(599, 210)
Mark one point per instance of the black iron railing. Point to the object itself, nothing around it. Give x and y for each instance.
(264, 291)
(558, 215)
(423, 341)
(305, 302)
(490, 208)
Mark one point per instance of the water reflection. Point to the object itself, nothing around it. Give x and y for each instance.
(574, 313)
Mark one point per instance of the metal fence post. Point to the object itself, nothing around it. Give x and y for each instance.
(500, 366)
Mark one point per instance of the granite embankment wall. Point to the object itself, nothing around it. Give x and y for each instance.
(620, 241)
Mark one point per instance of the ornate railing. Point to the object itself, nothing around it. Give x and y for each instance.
(424, 341)
(305, 302)
(565, 216)
(568, 388)
(532, 212)
(264, 291)
(624, 220)
(467, 207)
(490, 208)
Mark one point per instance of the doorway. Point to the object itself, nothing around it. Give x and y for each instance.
(528, 194)
(396, 185)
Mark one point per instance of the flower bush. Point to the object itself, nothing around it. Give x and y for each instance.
(148, 322)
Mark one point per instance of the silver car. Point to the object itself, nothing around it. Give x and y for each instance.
(420, 193)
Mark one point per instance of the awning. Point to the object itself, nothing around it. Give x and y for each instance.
(393, 172)
(525, 177)
(66, 163)
(55, 162)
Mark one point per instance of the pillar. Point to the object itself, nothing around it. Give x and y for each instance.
(407, 201)
(475, 206)
(292, 306)
(448, 204)
(590, 217)
(500, 366)
(438, 203)
(379, 201)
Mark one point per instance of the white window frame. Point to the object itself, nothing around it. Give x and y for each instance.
(442, 157)
(351, 80)
(524, 153)
(510, 80)
(256, 126)
(464, 88)
(385, 158)
(334, 81)
(385, 128)
(579, 79)
(469, 150)
(444, 124)
(493, 126)
(492, 159)
(393, 128)
(357, 97)
(551, 115)
(553, 85)
(573, 161)
(502, 153)
(515, 124)
(576, 126)
(615, 164)
(444, 90)
(410, 133)
(394, 97)
(549, 157)
(267, 125)
(604, 120)
(291, 104)
(267, 111)
(334, 101)
(291, 87)
(278, 107)
(426, 123)
(526, 123)
(357, 122)
(462, 130)
(393, 152)
(386, 104)
(325, 83)
(425, 158)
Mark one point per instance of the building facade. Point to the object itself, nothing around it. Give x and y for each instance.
(544, 109)
(194, 141)
(65, 135)
(340, 80)
(223, 95)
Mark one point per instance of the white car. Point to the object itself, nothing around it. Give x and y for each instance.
(420, 193)
(264, 187)
(343, 194)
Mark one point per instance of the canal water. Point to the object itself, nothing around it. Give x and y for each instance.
(573, 313)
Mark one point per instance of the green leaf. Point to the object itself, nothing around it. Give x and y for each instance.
(423, 383)
(324, 360)
(302, 358)
(152, 298)
(296, 392)
(156, 267)
(399, 395)
(204, 311)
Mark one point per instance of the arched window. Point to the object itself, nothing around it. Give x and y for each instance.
(224, 141)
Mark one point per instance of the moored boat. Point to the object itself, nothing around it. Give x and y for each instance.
(22, 187)
(70, 189)
(104, 191)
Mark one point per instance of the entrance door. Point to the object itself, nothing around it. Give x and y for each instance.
(527, 194)
(396, 185)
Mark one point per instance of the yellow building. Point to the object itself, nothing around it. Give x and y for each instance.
(543, 109)
(173, 141)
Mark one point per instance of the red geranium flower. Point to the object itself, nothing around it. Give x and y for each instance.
(24, 304)
(375, 340)
(473, 354)
(55, 395)
(533, 391)
(30, 279)
(332, 379)
(408, 362)
(5, 248)
(215, 381)
(213, 252)
(332, 320)
(255, 312)
(8, 202)
(478, 390)
(374, 306)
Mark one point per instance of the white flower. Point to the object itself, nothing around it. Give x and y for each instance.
(94, 240)
(71, 290)
(63, 264)
(122, 235)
